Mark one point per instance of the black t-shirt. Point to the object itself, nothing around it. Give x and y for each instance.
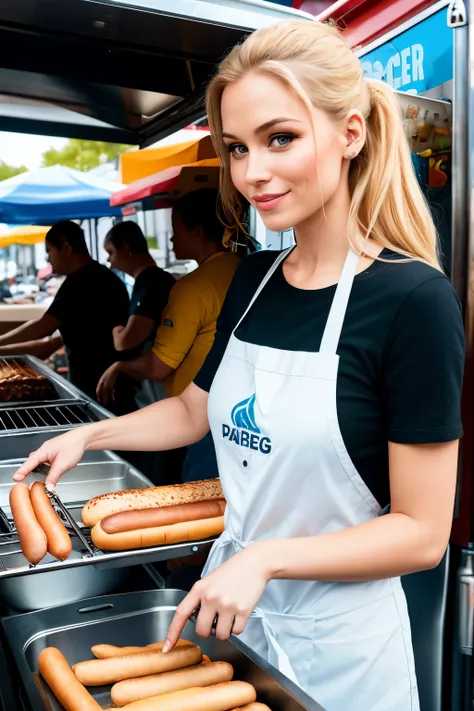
(149, 297)
(401, 351)
(88, 306)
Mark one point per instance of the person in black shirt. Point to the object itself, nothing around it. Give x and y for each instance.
(90, 303)
(128, 252)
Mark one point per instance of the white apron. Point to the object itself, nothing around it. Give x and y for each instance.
(286, 473)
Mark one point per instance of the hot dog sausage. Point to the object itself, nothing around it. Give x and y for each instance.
(106, 651)
(32, 537)
(164, 516)
(101, 506)
(68, 690)
(220, 697)
(253, 707)
(97, 672)
(144, 537)
(207, 674)
(58, 539)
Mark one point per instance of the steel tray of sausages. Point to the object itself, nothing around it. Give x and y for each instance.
(131, 619)
(98, 473)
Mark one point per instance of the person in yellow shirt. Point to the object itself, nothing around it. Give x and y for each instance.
(188, 324)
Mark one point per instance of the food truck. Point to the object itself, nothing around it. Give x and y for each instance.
(134, 71)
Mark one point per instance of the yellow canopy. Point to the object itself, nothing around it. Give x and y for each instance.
(24, 234)
(136, 165)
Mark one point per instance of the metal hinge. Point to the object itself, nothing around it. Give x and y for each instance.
(457, 14)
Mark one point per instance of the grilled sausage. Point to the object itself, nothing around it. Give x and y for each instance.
(96, 672)
(220, 697)
(101, 506)
(207, 674)
(145, 537)
(32, 537)
(164, 516)
(67, 689)
(106, 651)
(58, 539)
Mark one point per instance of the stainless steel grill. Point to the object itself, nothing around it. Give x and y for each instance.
(74, 412)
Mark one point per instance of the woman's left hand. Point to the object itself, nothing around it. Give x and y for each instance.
(230, 593)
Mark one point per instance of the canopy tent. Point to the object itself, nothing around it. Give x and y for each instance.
(28, 234)
(169, 184)
(136, 165)
(47, 195)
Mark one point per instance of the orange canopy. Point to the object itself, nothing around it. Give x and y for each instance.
(136, 165)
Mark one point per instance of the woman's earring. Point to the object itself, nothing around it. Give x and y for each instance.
(351, 156)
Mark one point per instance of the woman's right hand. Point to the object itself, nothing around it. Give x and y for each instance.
(61, 453)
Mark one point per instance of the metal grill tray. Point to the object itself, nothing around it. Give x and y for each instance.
(68, 413)
(65, 391)
(98, 473)
(131, 619)
(62, 388)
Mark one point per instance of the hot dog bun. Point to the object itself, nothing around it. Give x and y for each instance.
(58, 540)
(67, 689)
(207, 674)
(96, 672)
(106, 651)
(164, 516)
(220, 697)
(132, 499)
(145, 537)
(32, 537)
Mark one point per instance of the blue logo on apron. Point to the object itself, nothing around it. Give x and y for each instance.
(245, 432)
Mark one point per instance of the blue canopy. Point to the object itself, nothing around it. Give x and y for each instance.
(44, 196)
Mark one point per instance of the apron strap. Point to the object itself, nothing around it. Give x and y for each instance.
(265, 281)
(337, 313)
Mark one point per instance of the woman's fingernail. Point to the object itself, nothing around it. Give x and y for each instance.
(167, 646)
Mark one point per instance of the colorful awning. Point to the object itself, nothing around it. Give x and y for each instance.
(27, 234)
(136, 165)
(175, 180)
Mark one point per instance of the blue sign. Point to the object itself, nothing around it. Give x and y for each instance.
(417, 60)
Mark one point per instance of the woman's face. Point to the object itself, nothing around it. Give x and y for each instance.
(273, 158)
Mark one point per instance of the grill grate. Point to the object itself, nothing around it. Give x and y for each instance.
(20, 418)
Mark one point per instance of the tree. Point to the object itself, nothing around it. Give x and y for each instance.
(83, 155)
(9, 171)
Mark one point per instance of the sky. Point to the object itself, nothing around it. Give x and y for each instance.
(24, 149)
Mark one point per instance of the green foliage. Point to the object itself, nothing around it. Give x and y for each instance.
(83, 155)
(9, 171)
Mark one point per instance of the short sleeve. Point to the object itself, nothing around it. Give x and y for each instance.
(150, 298)
(181, 322)
(423, 367)
(143, 303)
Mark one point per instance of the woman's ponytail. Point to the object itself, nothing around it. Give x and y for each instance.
(387, 203)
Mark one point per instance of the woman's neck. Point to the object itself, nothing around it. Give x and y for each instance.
(322, 239)
(322, 244)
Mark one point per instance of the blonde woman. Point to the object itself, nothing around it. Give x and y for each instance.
(334, 381)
